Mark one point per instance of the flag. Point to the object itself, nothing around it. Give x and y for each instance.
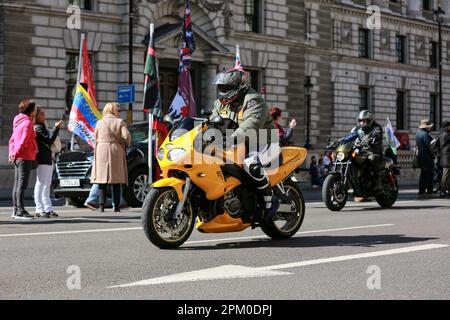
(238, 64)
(184, 103)
(83, 116)
(86, 73)
(152, 95)
(391, 139)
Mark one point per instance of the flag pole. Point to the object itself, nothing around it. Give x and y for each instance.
(80, 63)
(150, 121)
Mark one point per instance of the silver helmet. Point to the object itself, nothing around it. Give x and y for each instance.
(231, 85)
(365, 119)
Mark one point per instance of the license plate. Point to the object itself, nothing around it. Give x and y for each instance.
(70, 183)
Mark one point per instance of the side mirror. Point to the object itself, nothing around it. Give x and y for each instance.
(218, 121)
(168, 120)
(206, 113)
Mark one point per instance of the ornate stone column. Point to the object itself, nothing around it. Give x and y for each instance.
(414, 8)
(211, 72)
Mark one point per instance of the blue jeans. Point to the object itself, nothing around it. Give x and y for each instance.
(93, 196)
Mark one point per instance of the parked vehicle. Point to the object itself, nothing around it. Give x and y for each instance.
(73, 170)
(216, 197)
(351, 171)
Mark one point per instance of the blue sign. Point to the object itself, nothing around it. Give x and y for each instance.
(126, 94)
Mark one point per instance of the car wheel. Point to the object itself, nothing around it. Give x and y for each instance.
(138, 187)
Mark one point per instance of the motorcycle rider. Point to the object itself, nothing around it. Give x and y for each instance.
(369, 135)
(237, 101)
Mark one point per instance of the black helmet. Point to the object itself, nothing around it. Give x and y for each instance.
(231, 84)
(365, 119)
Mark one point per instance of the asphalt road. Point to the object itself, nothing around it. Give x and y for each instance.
(363, 252)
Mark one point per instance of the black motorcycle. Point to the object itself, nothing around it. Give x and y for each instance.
(351, 170)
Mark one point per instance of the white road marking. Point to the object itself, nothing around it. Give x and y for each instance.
(67, 232)
(355, 256)
(190, 242)
(222, 272)
(235, 271)
(298, 233)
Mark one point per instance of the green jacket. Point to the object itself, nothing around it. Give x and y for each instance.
(251, 113)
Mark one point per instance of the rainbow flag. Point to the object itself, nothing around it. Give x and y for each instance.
(84, 116)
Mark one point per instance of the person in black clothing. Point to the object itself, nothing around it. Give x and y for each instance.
(368, 134)
(425, 157)
(45, 165)
(443, 148)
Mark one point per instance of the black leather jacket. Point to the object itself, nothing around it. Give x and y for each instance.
(370, 139)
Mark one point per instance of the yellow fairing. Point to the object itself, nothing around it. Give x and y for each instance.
(222, 223)
(292, 158)
(204, 170)
(175, 183)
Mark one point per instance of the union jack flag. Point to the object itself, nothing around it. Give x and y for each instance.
(238, 64)
(184, 104)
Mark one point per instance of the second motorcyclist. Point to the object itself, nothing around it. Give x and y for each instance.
(368, 134)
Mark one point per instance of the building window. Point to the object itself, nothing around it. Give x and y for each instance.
(255, 79)
(401, 111)
(434, 55)
(364, 45)
(83, 4)
(71, 77)
(434, 108)
(426, 5)
(253, 16)
(400, 48)
(307, 25)
(364, 96)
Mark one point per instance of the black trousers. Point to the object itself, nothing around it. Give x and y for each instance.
(115, 194)
(426, 180)
(22, 169)
(445, 182)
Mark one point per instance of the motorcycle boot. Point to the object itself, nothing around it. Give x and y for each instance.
(256, 171)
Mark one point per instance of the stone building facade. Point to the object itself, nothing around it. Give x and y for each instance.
(281, 41)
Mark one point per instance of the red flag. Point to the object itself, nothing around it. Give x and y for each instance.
(86, 73)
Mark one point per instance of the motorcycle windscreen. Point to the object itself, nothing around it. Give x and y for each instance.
(182, 127)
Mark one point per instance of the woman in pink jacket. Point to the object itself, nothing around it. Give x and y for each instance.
(22, 152)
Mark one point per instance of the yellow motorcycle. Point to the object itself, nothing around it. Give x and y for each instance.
(216, 196)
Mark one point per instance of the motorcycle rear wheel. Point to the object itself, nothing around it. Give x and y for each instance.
(334, 200)
(285, 225)
(390, 193)
(157, 222)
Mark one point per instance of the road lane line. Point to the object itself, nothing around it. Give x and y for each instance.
(355, 256)
(237, 271)
(67, 232)
(298, 233)
(190, 242)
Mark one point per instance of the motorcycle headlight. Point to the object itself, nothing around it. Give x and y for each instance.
(176, 154)
(160, 154)
(340, 156)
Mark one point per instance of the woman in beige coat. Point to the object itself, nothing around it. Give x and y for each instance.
(110, 165)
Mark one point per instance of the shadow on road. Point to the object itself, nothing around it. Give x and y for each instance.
(393, 208)
(316, 241)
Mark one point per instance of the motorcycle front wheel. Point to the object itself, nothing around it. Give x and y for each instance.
(334, 193)
(158, 222)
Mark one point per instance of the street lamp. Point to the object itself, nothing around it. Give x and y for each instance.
(439, 13)
(308, 86)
